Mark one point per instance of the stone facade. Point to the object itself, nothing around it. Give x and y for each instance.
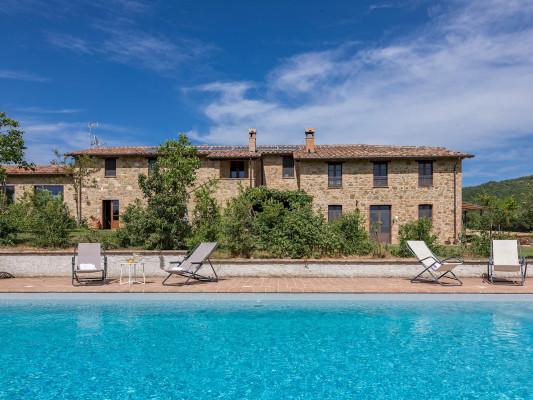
(264, 166)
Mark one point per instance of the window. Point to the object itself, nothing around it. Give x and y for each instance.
(10, 193)
(288, 167)
(237, 170)
(334, 175)
(425, 211)
(334, 212)
(151, 164)
(116, 210)
(380, 174)
(55, 190)
(425, 173)
(110, 167)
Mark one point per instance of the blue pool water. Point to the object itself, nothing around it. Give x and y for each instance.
(268, 350)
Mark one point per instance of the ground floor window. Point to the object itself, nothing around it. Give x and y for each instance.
(9, 191)
(334, 212)
(425, 211)
(380, 223)
(55, 190)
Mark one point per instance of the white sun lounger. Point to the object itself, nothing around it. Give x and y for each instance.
(190, 266)
(87, 265)
(435, 267)
(505, 257)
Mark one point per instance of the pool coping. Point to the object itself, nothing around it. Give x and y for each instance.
(258, 297)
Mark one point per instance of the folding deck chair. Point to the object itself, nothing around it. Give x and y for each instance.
(505, 256)
(435, 267)
(190, 266)
(87, 265)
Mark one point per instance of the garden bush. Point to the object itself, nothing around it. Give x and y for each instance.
(46, 217)
(416, 230)
(347, 236)
(206, 216)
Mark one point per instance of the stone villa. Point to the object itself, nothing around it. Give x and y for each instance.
(390, 185)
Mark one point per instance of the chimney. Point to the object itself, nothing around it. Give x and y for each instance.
(310, 140)
(252, 140)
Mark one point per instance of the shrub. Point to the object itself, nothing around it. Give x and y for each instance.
(416, 230)
(237, 233)
(206, 216)
(347, 236)
(47, 217)
(281, 223)
(108, 238)
(163, 222)
(8, 225)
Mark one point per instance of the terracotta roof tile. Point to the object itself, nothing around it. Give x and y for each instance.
(336, 151)
(37, 170)
(364, 151)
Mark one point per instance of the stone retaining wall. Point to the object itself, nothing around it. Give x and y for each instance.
(59, 264)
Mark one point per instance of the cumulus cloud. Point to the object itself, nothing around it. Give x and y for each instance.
(463, 81)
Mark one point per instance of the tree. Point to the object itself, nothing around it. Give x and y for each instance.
(166, 192)
(80, 169)
(206, 215)
(11, 146)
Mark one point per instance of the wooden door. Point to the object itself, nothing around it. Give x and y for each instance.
(380, 223)
(110, 214)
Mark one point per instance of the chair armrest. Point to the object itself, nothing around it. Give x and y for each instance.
(105, 264)
(429, 258)
(73, 263)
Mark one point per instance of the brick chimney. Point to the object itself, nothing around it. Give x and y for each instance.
(310, 140)
(252, 140)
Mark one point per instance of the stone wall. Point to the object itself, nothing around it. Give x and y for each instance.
(403, 193)
(273, 174)
(26, 183)
(357, 192)
(60, 264)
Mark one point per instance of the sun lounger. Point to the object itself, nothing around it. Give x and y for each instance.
(192, 264)
(436, 268)
(505, 257)
(87, 264)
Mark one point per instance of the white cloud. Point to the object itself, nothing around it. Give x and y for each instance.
(43, 137)
(41, 110)
(21, 76)
(462, 81)
(123, 42)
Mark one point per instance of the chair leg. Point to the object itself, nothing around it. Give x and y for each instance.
(166, 279)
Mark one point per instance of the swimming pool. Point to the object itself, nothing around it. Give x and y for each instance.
(272, 348)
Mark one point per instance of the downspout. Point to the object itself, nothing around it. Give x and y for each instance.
(455, 201)
(250, 170)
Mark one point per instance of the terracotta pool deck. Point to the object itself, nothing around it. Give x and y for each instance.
(264, 285)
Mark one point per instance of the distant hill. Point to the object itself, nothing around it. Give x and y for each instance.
(519, 188)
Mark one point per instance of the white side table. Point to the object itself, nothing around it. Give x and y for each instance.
(132, 273)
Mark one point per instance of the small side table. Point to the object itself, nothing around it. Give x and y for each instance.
(132, 273)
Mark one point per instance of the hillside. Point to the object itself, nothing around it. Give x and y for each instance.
(519, 188)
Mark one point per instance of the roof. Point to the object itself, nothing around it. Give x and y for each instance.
(365, 151)
(325, 152)
(36, 170)
(471, 207)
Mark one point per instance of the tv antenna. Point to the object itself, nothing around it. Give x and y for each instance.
(94, 141)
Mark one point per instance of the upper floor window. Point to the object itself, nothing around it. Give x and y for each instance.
(288, 167)
(238, 170)
(151, 164)
(425, 173)
(110, 167)
(425, 211)
(381, 174)
(55, 190)
(334, 175)
(334, 212)
(9, 191)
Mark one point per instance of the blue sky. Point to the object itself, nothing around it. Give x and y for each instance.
(454, 73)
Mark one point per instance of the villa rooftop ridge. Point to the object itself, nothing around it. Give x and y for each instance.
(322, 151)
